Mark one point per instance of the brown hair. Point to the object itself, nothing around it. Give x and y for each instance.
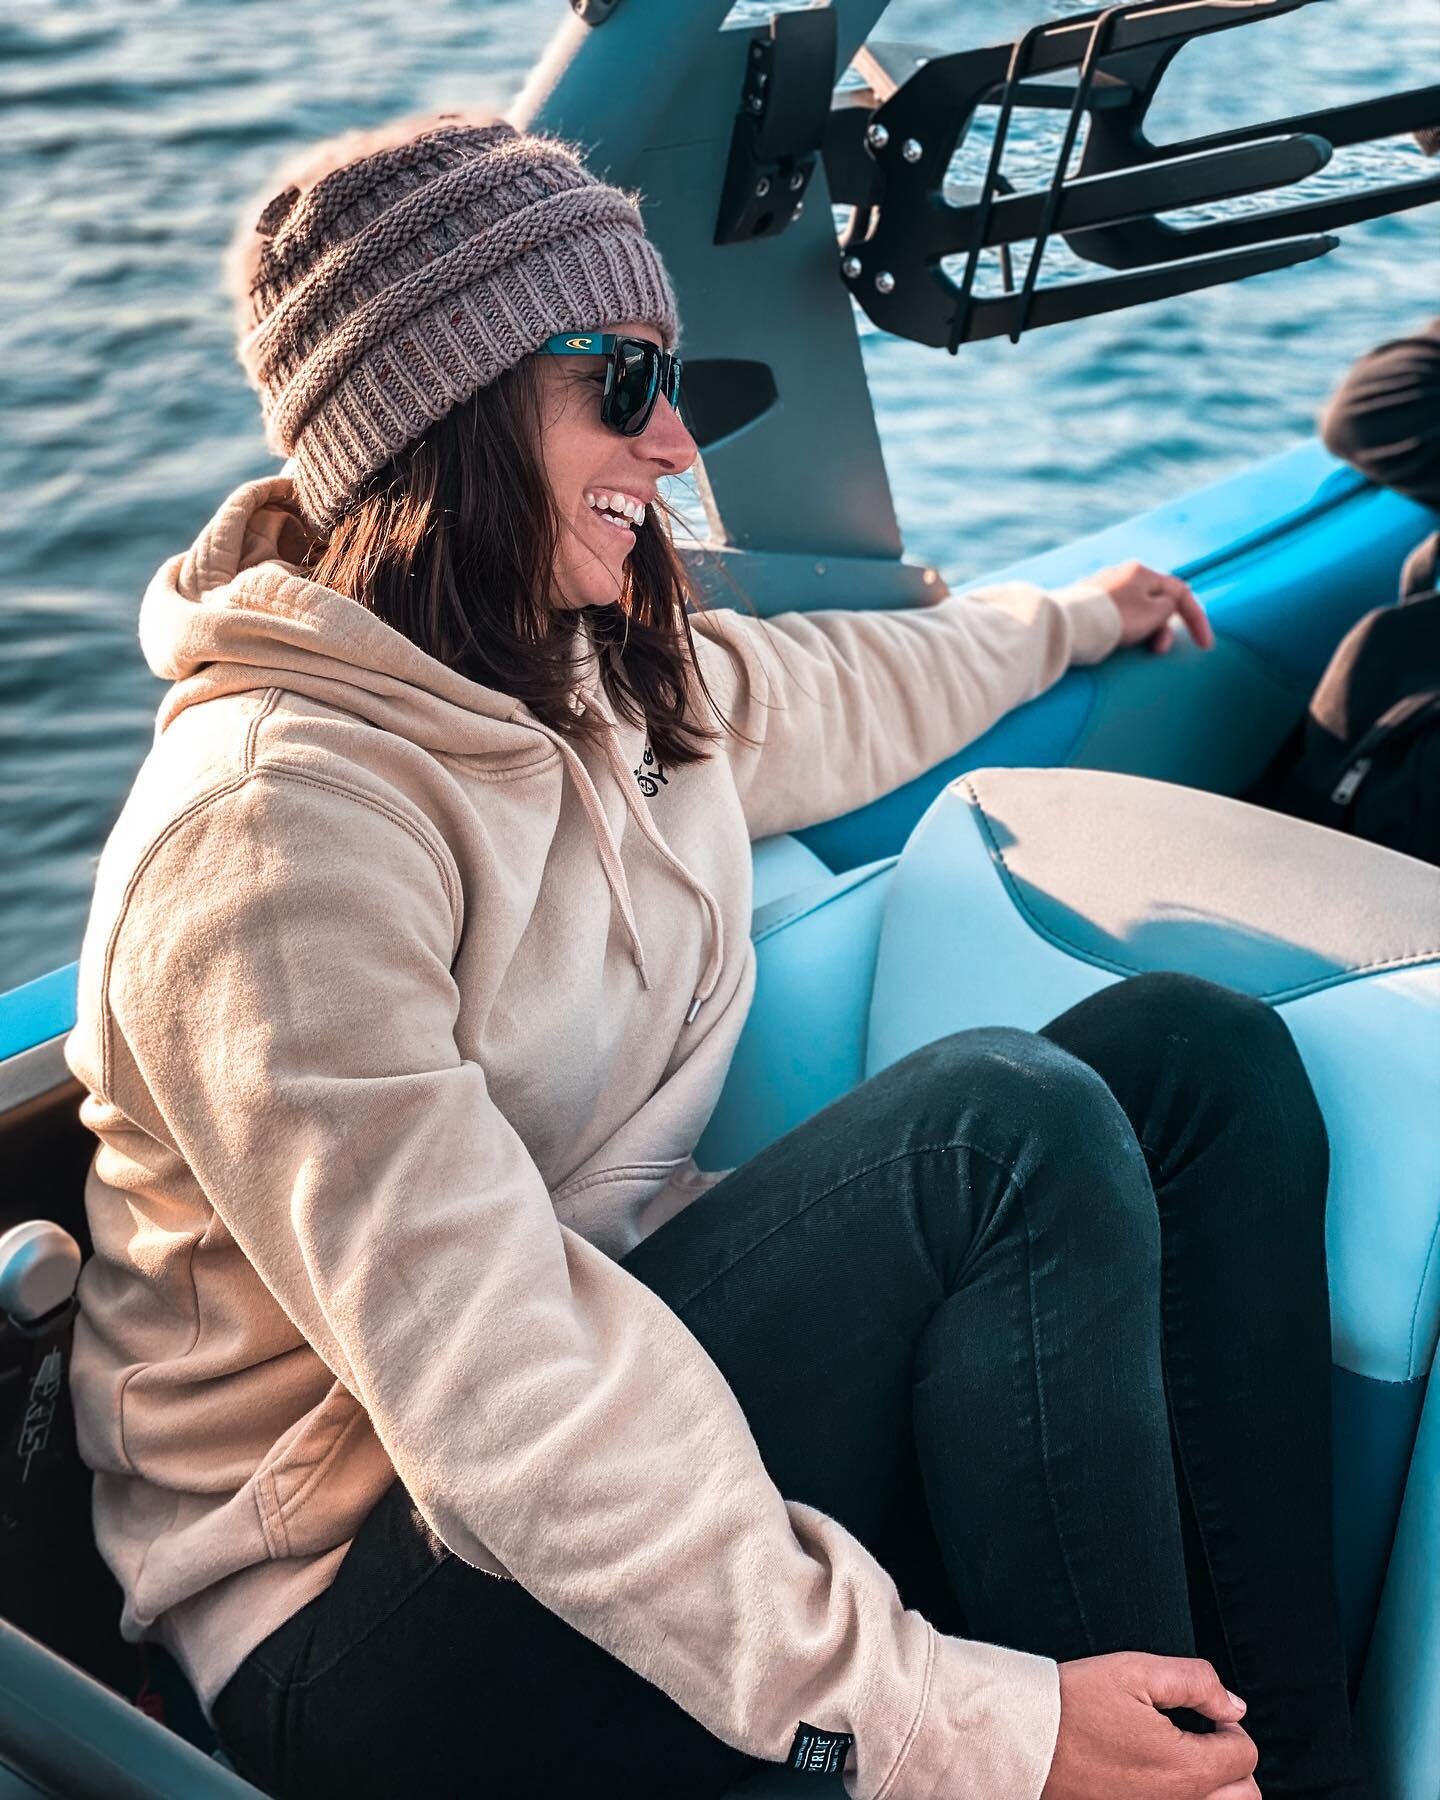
(452, 543)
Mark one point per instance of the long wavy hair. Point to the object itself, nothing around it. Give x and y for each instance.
(452, 543)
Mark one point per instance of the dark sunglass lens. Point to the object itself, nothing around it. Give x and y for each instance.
(636, 377)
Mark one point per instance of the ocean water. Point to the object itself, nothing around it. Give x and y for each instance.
(130, 134)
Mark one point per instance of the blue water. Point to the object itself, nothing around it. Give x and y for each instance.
(130, 135)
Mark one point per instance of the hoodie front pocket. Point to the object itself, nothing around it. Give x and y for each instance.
(318, 1484)
(615, 1208)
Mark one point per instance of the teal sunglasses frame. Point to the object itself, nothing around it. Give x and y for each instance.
(662, 370)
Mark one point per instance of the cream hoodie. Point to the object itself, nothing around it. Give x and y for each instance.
(400, 1018)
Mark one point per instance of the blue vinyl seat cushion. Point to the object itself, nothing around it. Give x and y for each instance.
(1020, 892)
(783, 865)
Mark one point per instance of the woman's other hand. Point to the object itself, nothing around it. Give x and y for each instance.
(1148, 601)
(1115, 1745)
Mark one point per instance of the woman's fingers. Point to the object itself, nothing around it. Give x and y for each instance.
(1169, 591)
(1234, 1753)
(1222, 1764)
(1196, 622)
(1148, 601)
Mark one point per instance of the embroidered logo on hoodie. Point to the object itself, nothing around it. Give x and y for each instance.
(651, 773)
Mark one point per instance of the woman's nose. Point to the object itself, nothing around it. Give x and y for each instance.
(666, 441)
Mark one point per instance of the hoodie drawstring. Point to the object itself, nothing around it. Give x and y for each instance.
(641, 814)
(610, 855)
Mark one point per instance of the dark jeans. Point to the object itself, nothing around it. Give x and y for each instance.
(1042, 1319)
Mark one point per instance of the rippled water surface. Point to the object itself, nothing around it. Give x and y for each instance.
(130, 133)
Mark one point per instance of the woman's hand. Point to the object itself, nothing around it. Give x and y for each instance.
(1148, 602)
(1115, 1745)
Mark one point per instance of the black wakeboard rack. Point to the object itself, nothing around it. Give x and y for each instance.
(887, 149)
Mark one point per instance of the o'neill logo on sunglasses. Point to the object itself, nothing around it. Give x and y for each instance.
(578, 343)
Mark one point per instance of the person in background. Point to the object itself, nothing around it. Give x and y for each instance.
(456, 1431)
(1384, 419)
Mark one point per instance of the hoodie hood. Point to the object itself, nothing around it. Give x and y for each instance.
(236, 612)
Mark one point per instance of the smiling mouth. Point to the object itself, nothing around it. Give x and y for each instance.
(614, 525)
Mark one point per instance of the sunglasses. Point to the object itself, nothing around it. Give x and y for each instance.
(637, 372)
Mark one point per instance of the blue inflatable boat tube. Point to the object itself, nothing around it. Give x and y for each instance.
(1284, 556)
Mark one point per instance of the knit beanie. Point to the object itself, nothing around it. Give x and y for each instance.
(397, 271)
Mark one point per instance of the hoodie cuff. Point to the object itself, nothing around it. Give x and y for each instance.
(987, 1726)
(1095, 622)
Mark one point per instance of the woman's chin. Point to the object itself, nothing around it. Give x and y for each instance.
(593, 593)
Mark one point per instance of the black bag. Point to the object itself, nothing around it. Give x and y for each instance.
(1366, 757)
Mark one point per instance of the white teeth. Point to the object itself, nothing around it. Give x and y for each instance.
(605, 503)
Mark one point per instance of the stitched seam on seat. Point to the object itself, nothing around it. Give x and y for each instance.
(1403, 960)
(1420, 1295)
(804, 912)
(1406, 1381)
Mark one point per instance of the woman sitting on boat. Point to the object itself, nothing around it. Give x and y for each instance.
(451, 1426)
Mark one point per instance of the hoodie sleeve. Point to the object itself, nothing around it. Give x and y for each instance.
(847, 706)
(280, 989)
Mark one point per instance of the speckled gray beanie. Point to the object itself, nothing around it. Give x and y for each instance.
(396, 271)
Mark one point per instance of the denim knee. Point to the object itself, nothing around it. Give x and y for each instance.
(1215, 1018)
(1019, 1069)
(1223, 1029)
(1016, 1097)
(1235, 1052)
